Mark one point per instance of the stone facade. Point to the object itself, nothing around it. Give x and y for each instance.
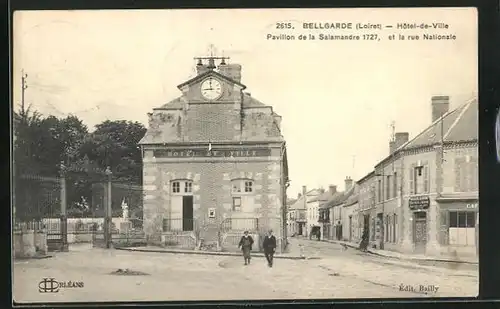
(211, 144)
(442, 170)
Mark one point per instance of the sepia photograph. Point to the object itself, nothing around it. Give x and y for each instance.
(244, 154)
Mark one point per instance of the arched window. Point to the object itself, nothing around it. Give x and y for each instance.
(181, 187)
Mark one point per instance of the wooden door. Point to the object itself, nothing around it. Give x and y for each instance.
(187, 213)
(420, 232)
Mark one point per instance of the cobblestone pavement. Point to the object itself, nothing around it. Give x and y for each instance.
(190, 277)
(449, 281)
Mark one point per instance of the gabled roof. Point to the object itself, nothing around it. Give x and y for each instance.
(248, 102)
(299, 204)
(206, 74)
(458, 125)
(291, 201)
(323, 197)
(352, 199)
(366, 177)
(338, 199)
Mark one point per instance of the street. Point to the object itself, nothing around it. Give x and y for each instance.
(338, 273)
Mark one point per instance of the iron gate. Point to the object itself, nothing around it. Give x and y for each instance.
(39, 206)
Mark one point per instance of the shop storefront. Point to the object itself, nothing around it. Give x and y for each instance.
(460, 226)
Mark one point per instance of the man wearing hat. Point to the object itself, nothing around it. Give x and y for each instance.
(269, 247)
(246, 243)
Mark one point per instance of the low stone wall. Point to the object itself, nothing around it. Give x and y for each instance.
(178, 240)
(29, 243)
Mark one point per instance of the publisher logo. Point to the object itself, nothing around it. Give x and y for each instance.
(51, 285)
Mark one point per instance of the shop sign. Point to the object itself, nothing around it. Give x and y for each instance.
(419, 202)
(471, 205)
(222, 153)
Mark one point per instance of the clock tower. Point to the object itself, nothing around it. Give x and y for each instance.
(214, 163)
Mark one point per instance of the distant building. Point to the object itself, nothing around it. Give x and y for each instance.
(331, 212)
(298, 212)
(349, 213)
(314, 223)
(366, 201)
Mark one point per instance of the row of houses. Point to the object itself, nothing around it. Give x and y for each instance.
(422, 198)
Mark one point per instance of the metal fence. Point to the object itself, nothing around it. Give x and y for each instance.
(71, 207)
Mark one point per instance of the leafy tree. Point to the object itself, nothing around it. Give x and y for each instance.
(115, 144)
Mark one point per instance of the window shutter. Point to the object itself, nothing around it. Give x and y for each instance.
(474, 175)
(426, 179)
(411, 179)
(395, 184)
(458, 175)
(444, 220)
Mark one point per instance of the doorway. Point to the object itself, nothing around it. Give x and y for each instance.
(350, 228)
(420, 231)
(187, 213)
(366, 225)
(380, 228)
(300, 229)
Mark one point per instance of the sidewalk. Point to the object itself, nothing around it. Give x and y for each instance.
(402, 256)
(289, 256)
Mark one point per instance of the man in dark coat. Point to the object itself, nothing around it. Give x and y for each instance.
(364, 240)
(246, 243)
(269, 247)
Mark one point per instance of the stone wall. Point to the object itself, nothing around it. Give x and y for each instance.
(29, 243)
(212, 189)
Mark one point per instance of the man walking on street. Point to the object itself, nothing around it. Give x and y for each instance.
(246, 243)
(269, 247)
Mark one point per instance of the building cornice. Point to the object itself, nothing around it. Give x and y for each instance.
(204, 144)
(425, 148)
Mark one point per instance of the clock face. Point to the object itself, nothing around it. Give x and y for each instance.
(211, 89)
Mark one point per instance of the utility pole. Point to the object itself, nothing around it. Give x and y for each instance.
(24, 86)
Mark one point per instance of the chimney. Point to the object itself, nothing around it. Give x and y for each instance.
(400, 138)
(304, 191)
(348, 183)
(332, 189)
(233, 71)
(440, 106)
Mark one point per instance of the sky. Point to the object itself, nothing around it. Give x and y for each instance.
(337, 98)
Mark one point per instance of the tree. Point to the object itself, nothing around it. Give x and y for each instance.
(25, 128)
(115, 144)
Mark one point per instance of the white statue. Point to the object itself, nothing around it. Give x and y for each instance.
(124, 209)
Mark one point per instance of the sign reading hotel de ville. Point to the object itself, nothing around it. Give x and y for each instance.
(204, 153)
(419, 202)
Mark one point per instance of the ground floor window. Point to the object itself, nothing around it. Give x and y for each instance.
(462, 228)
(390, 228)
(372, 232)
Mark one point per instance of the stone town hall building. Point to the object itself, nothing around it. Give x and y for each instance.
(214, 163)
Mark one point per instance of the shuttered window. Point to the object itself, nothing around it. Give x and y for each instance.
(466, 174)
(395, 185)
(411, 179)
(426, 179)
